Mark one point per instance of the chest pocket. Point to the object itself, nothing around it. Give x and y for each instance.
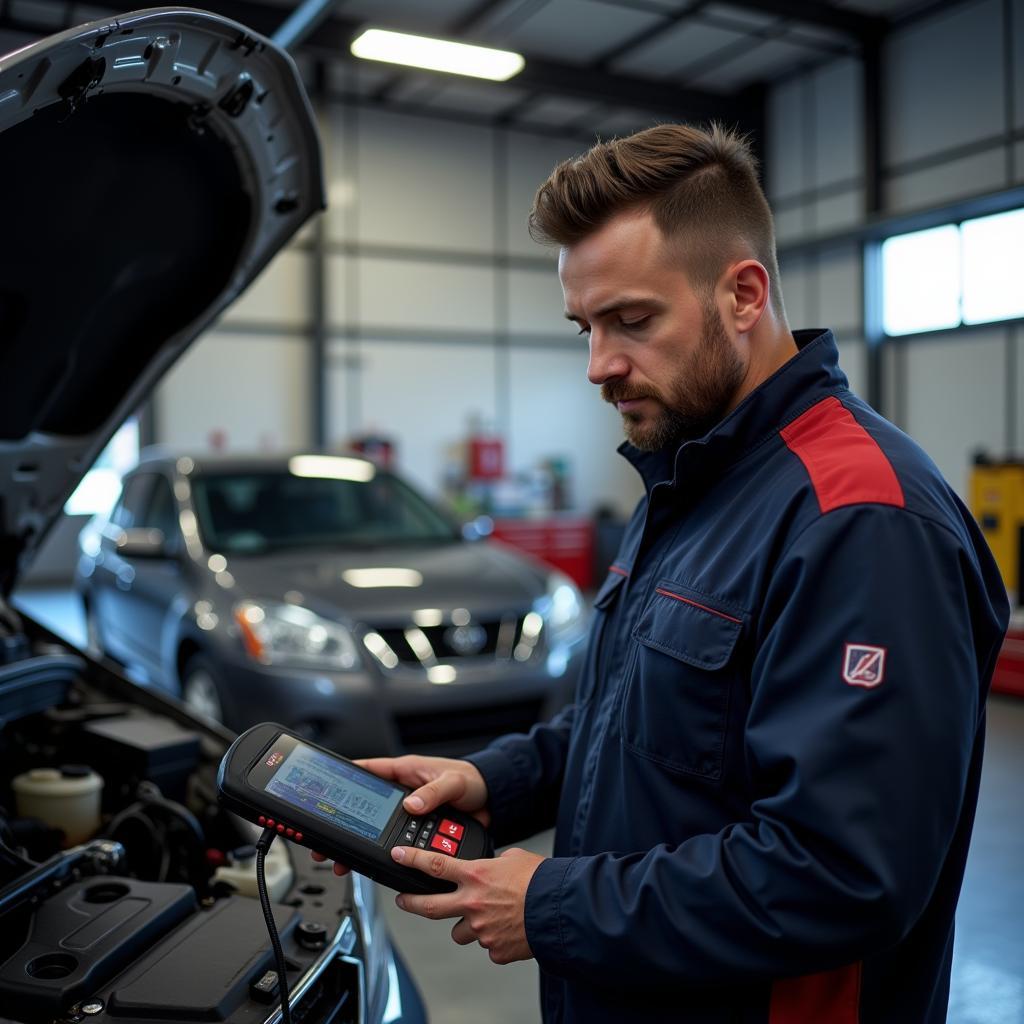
(604, 608)
(676, 703)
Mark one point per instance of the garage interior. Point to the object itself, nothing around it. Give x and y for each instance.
(415, 319)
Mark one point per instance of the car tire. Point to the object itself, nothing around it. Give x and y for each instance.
(201, 689)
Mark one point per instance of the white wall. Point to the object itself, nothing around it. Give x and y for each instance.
(957, 402)
(249, 387)
(421, 394)
(440, 307)
(945, 137)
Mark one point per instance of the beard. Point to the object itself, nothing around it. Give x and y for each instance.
(693, 401)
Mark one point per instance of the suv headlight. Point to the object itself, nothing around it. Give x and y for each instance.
(287, 634)
(562, 609)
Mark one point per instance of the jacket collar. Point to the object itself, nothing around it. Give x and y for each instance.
(811, 375)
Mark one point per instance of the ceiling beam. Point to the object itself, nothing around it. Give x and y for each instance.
(625, 91)
(332, 38)
(811, 12)
(302, 22)
(624, 46)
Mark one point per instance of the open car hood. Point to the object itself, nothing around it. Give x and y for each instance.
(150, 166)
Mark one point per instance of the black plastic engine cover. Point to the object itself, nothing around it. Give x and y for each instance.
(85, 935)
(204, 970)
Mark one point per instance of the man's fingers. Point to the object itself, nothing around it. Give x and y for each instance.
(339, 869)
(447, 788)
(383, 767)
(462, 933)
(433, 906)
(437, 865)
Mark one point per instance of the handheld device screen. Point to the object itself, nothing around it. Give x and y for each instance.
(333, 790)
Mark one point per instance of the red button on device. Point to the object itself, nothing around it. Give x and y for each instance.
(289, 832)
(270, 822)
(298, 837)
(451, 829)
(280, 829)
(444, 844)
(262, 819)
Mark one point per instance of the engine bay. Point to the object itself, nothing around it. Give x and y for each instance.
(126, 893)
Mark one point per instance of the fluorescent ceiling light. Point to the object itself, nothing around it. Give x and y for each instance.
(428, 617)
(382, 578)
(437, 54)
(331, 467)
(441, 674)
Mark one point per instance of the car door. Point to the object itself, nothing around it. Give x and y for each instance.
(113, 576)
(157, 580)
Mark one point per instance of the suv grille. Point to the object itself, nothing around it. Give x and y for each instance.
(494, 638)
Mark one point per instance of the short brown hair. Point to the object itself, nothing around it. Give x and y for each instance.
(700, 185)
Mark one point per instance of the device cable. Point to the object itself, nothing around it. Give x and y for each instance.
(262, 845)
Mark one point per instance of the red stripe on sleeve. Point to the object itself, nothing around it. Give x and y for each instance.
(832, 997)
(844, 462)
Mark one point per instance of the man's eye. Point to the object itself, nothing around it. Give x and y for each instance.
(633, 325)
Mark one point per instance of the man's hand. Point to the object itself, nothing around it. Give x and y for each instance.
(490, 898)
(435, 781)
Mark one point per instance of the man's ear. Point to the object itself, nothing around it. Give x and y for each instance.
(750, 291)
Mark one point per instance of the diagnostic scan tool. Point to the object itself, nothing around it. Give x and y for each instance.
(320, 799)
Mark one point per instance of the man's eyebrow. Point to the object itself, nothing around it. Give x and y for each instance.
(615, 304)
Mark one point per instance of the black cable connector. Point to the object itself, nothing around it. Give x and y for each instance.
(262, 845)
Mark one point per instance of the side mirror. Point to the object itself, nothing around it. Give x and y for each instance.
(142, 543)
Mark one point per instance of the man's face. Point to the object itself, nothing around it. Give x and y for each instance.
(659, 351)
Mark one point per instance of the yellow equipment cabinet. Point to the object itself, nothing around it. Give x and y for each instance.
(997, 501)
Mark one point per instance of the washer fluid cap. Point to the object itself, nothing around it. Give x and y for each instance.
(51, 783)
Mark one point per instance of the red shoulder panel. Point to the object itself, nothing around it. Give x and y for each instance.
(832, 997)
(844, 462)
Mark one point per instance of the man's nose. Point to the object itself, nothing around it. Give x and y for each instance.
(607, 362)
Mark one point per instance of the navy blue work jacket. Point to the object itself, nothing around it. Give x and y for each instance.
(764, 791)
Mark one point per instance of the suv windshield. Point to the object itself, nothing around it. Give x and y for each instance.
(255, 511)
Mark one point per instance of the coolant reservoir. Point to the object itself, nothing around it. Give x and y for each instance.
(241, 871)
(67, 798)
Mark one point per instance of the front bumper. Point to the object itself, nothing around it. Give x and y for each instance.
(366, 713)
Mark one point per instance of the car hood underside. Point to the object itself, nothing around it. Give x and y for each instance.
(152, 165)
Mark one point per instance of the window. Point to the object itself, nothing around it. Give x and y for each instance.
(258, 511)
(98, 489)
(954, 275)
(128, 512)
(162, 511)
(921, 280)
(993, 254)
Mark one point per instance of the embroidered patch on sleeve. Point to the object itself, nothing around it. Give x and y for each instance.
(863, 665)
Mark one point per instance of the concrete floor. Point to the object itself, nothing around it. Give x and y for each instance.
(461, 985)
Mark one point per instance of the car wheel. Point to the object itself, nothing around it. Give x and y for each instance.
(201, 690)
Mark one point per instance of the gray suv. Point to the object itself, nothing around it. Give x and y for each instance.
(325, 593)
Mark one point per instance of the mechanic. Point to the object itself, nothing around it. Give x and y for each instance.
(764, 791)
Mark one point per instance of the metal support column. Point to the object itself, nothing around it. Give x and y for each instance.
(318, 306)
(874, 334)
